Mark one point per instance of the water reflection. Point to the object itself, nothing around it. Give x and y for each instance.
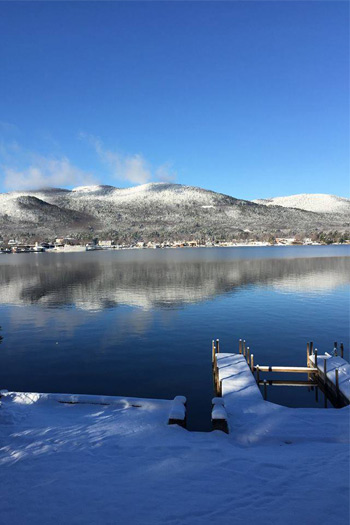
(139, 323)
(108, 280)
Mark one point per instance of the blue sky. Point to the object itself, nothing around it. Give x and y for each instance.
(246, 98)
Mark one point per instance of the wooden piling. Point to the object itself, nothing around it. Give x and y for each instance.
(217, 346)
(265, 389)
(307, 353)
(257, 374)
(342, 350)
(337, 380)
(244, 349)
(315, 354)
(216, 372)
(218, 385)
(252, 363)
(248, 355)
(213, 352)
(216, 377)
(240, 346)
(311, 347)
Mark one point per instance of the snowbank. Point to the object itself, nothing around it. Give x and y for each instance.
(72, 462)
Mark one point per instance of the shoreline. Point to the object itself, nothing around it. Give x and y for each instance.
(82, 249)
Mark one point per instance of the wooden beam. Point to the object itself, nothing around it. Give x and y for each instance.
(291, 369)
(283, 382)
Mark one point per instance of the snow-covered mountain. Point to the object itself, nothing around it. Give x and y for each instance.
(156, 211)
(316, 202)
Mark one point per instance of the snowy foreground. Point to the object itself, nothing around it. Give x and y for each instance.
(121, 463)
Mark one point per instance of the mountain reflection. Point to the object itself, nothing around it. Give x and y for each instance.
(99, 282)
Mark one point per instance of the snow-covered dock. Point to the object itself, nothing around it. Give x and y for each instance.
(334, 372)
(250, 417)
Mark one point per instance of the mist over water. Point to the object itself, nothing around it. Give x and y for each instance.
(140, 323)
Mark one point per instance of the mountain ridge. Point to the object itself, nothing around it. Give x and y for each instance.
(159, 211)
(316, 202)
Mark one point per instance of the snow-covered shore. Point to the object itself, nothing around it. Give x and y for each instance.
(121, 463)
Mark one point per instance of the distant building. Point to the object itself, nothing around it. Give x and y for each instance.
(107, 244)
(66, 240)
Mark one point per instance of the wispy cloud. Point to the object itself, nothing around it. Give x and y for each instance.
(8, 127)
(166, 173)
(45, 173)
(132, 168)
(23, 169)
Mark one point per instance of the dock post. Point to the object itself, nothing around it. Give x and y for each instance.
(216, 376)
(257, 374)
(214, 371)
(244, 347)
(252, 363)
(220, 389)
(265, 389)
(311, 347)
(307, 353)
(335, 348)
(217, 346)
(337, 380)
(213, 352)
(248, 355)
(325, 371)
(240, 346)
(315, 354)
(342, 350)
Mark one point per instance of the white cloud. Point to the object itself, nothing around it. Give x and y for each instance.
(132, 168)
(45, 172)
(166, 173)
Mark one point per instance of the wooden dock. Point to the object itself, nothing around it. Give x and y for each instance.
(237, 379)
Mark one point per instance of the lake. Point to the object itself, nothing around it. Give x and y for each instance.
(140, 322)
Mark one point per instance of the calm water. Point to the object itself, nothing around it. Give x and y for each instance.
(140, 323)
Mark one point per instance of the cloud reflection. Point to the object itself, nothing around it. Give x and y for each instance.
(98, 283)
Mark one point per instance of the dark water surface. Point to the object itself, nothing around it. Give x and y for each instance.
(140, 322)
